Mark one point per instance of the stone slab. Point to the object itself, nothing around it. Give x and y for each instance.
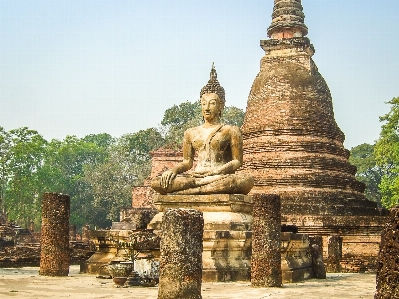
(237, 203)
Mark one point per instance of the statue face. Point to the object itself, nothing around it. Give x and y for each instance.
(211, 107)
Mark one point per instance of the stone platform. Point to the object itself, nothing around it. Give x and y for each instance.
(227, 232)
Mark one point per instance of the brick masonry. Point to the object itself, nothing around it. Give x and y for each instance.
(293, 146)
(55, 253)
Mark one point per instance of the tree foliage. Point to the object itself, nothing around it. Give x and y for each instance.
(22, 152)
(233, 116)
(97, 171)
(362, 156)
(387, 155)
(64, 172)
(128, 164)
(178, 119)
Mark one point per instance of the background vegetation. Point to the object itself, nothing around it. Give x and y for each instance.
(97, 171)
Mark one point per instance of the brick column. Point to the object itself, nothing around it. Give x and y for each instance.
(85, 233)
(266, 244)
(316, 249)
(55, 254)
(72, 233)
(180, 270)
(387, 265)
(334, 254)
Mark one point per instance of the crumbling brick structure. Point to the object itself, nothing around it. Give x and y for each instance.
(266, 244)
(55, 253)
(293, 146)
(388, 259)
(180, 270)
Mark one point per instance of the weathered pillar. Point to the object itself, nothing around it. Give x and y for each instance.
(388, 265)
(31, 227)
(180, 269)
(334, 254)
(72, 233)
(55, 254)
(316, 249)
(86, 233)
(266, 244)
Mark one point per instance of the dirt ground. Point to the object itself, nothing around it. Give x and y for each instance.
(26, 283)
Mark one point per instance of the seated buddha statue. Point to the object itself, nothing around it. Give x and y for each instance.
(219, 153)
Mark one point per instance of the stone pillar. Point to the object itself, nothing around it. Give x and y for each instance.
(334, 254)
(388, 266)
(180, 270)
(266, 244)
(32, 227)
(86, 233)
(72, 233)
(55, 254)
(316, 249)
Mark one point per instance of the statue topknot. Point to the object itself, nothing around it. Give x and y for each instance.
(213, 86)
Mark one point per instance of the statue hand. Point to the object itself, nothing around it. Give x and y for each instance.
(167, 178)
(205, 174)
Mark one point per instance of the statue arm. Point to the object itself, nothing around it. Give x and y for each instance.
(188, 157)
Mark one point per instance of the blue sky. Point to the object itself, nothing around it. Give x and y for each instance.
(84, 67)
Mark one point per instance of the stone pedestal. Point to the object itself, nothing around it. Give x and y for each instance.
(227, 232)
(296, 259)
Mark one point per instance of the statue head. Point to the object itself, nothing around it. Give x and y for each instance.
(211, 107)
(214, 87)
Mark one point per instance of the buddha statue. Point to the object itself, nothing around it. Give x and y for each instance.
(219, 153)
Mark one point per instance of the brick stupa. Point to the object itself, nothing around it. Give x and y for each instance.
(293, 146)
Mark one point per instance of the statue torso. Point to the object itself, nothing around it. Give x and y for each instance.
(213, 149)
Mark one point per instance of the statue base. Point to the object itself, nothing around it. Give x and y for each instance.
(227, 232)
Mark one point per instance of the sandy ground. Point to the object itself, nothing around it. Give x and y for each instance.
(26, 283)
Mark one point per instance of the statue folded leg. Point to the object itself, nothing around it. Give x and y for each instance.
(217, 184)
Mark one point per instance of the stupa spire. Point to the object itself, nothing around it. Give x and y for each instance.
(287, 20)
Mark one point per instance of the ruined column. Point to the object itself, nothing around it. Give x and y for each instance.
(86, 233)
(334, 254)
(31, 227)
(266, 227)
(72, 233)
(316, 249)
(388, 266)
(180, 270)
(55, 254)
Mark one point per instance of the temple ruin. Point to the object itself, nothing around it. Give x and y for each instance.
(293, 146)
(294, 149)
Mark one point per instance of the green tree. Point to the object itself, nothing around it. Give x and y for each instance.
(102, 140)
(362, 156)
(233, 116)
(5, 144)
(21, 160)
(387, 155)
(127, 165)
(64, 171)
(178, 119)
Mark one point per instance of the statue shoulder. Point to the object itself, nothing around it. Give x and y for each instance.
(232, 128)
(191, 131)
